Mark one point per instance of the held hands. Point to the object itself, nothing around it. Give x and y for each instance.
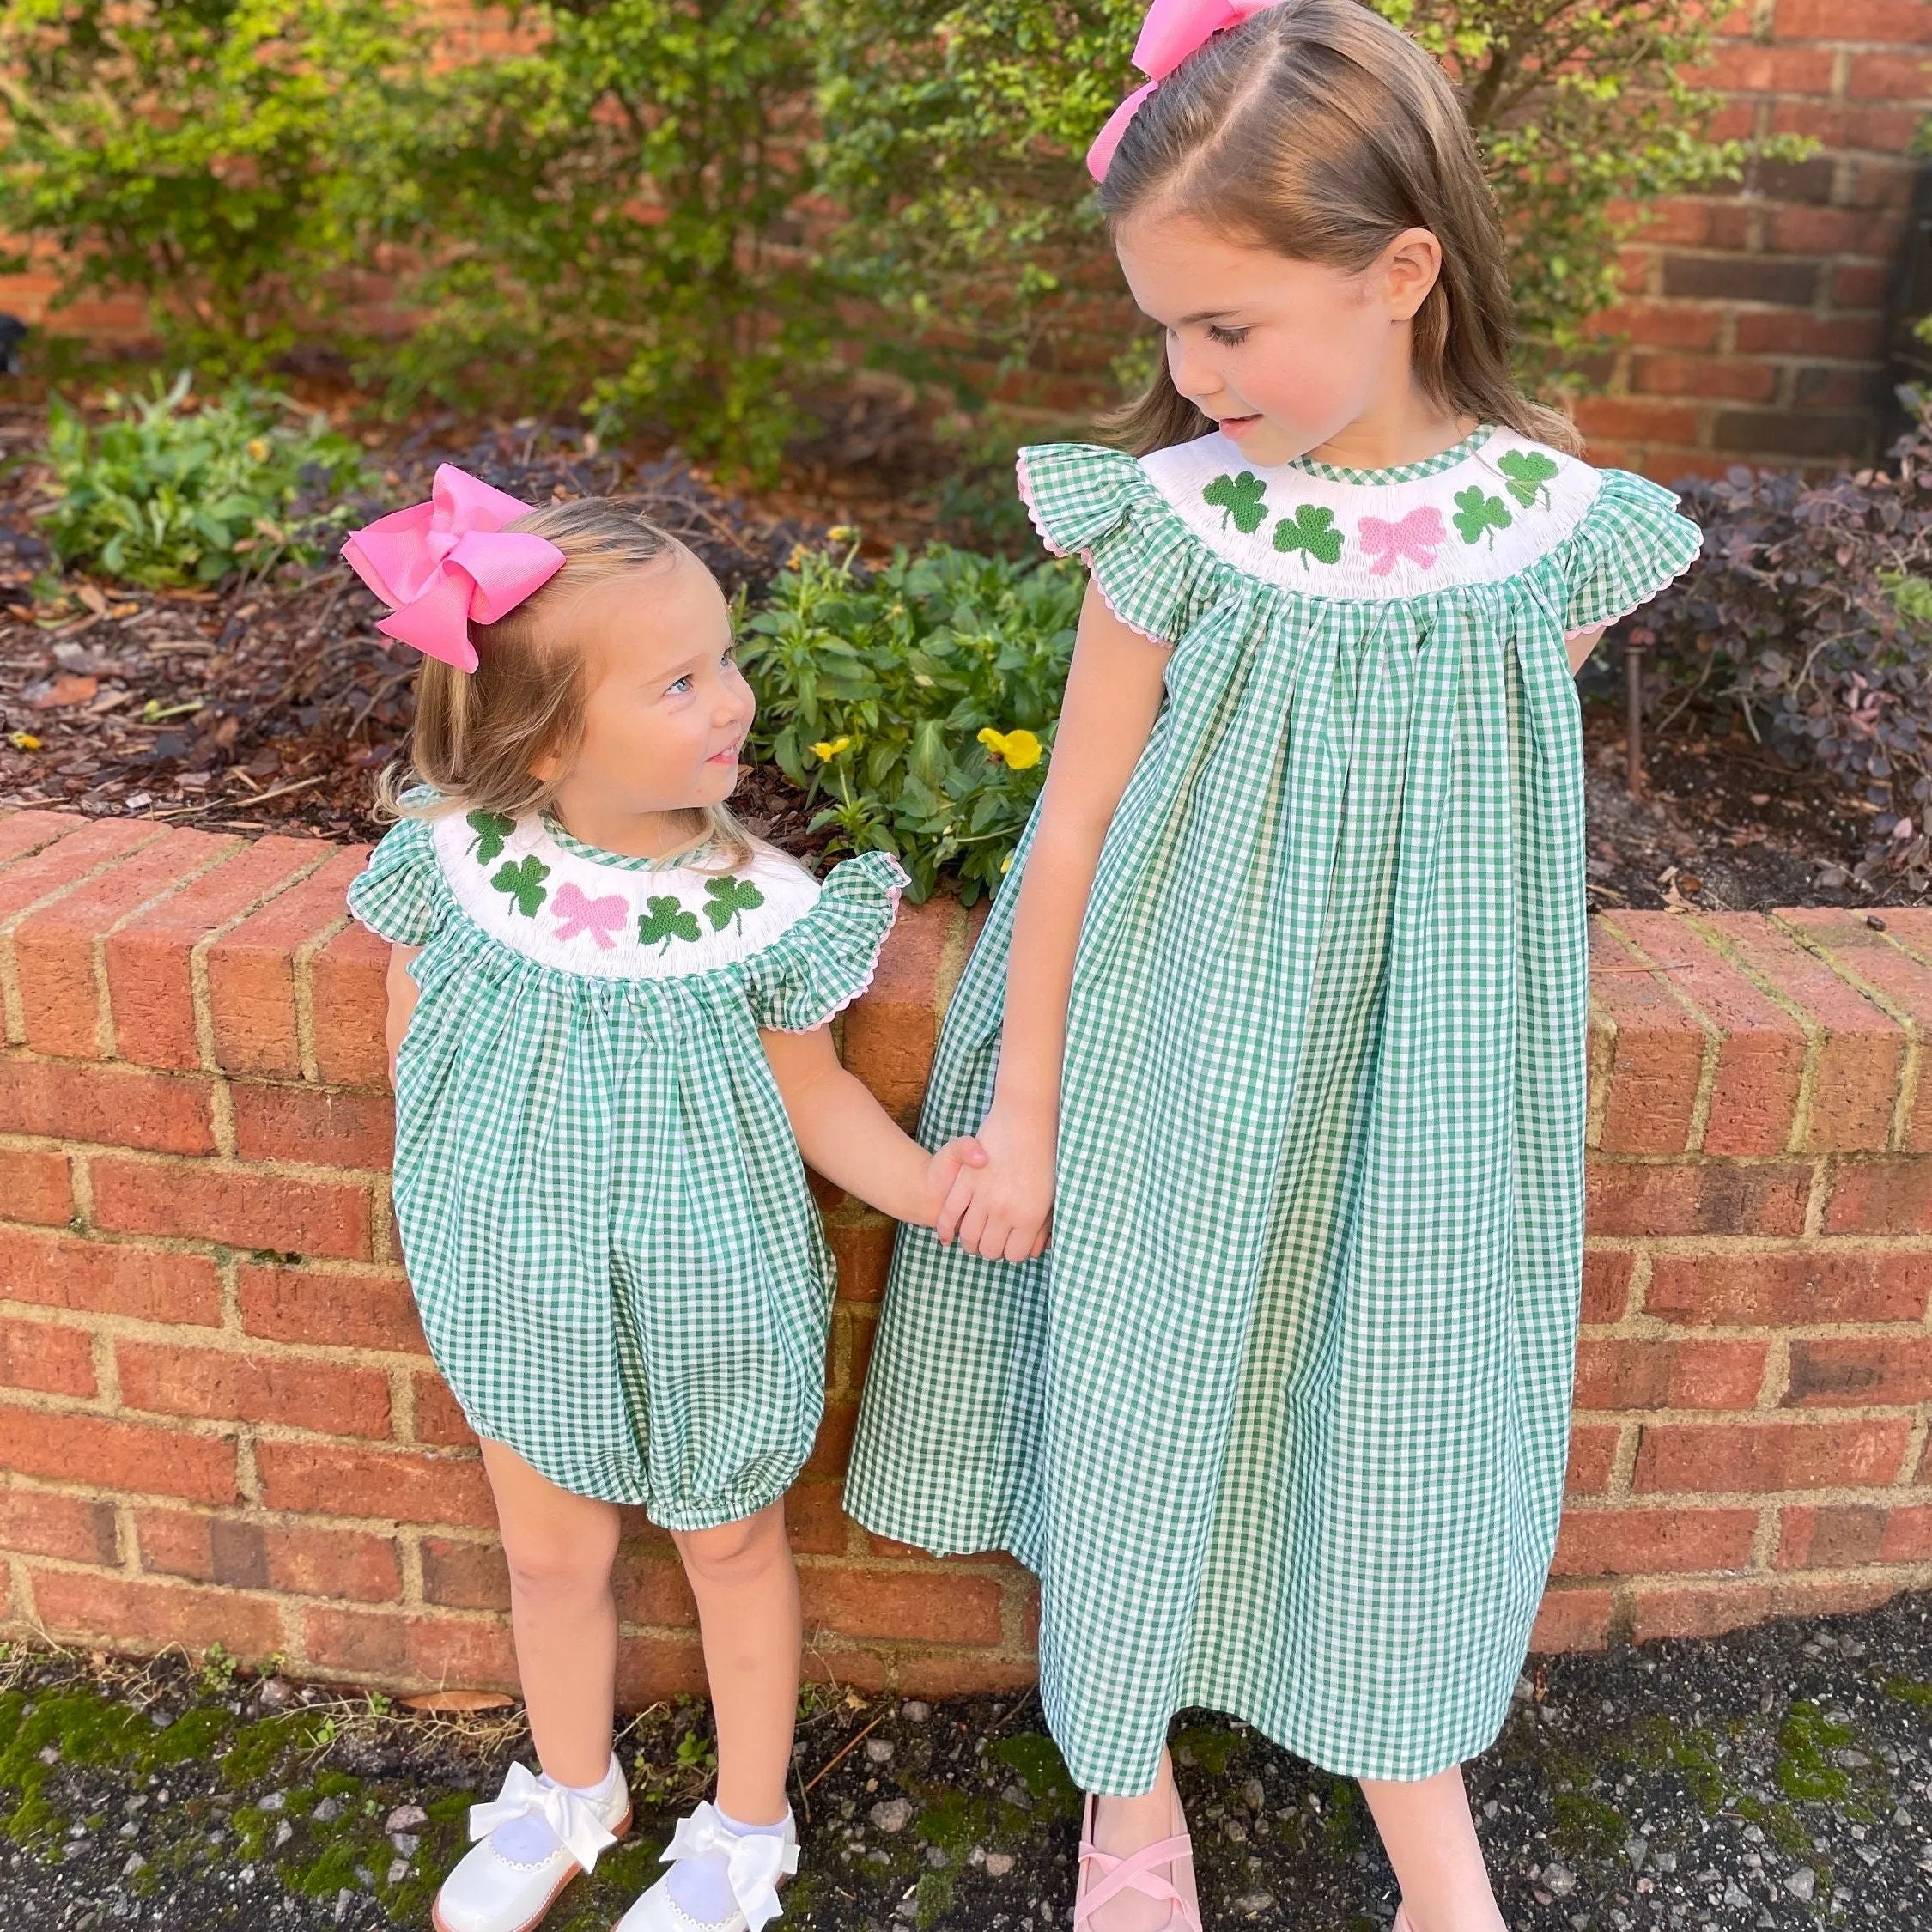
(942, 1173)
(999, 1204)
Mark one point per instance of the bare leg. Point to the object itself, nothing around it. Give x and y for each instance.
(561, 1547)
(1120, 1827)
(1431, 1839)
(747, 1592)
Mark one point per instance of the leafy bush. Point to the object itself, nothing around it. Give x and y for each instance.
(223, 158)
(918, 703)
(162, 493)
(1808, 621)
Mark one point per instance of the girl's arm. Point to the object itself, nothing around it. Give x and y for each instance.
(1582, 645)
(846, 1135)
(401, 1001)
(1114, 694)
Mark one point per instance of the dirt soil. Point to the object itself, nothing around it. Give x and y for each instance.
(1775, 1778)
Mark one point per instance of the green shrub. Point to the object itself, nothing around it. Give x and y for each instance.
(161, 493)
(892, 697)
(224, 158)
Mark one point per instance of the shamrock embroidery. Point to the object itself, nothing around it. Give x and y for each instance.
(1529, 476)
(524, 883)
(492, 829)
(1311, 533)
(1476, 512)
(1244, 498)
(667, 920)
(728, 898)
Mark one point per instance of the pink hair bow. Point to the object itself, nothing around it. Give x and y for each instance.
(1172, 30)
(444, 563)
(1415, 539)
(603, 919)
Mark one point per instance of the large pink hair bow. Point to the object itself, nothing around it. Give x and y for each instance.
(1172, 30)
(449, 561)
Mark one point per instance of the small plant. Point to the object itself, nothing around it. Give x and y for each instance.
(918, 703)
(164, 493)
(217, 1671)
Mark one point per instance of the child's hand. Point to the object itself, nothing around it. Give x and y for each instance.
(951, 1167)
(1000, 1209)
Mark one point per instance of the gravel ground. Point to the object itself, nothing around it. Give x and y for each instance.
(1774, 1778)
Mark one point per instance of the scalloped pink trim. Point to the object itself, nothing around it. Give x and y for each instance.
(1086, 557)
(864, 987)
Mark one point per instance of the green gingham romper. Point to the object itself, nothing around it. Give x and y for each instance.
(1280, 1419)
(620, 1270)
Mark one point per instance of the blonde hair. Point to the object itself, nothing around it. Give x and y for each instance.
(1318, 131)
(477, 733)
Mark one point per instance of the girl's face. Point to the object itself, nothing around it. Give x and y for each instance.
(666, 708)
(1283, 355)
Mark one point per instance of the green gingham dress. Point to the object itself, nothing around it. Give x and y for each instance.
(605, 1216)
(1280, 1419)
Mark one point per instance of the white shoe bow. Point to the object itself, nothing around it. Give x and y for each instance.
(579, 1829)
(754, 1860)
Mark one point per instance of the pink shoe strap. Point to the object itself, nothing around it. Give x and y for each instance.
(1136, 1873)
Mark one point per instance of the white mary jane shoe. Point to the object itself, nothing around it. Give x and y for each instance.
(490, 1892)
(756, 1861)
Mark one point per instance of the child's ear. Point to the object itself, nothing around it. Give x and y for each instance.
(1412, 263)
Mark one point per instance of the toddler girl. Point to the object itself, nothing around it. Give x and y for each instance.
(607, 1015)
(1281, 1011)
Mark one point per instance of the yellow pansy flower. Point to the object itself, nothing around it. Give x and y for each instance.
(827, 749)
(1020, 749)
(257, 448)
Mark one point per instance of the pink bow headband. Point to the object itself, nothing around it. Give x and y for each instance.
(448, 562)
(1172, 30)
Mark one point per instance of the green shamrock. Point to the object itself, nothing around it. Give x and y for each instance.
(668, 921)
(524, 883)
(1244, 498)
(492, 829)
(1310, 534)
(1476, 512)
(728, 898)
(1529, 473)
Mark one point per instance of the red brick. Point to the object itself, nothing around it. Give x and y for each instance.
(35, 1186)
(815, 1521)
(439, 1417)
(1637, 420)
(1573, 1620)
(833, 1449)
(1777, 1290)
(350, 998)
(1692, 375)
(388, 1485)
(458, 1576)
(1859, 284)
(651, 1669)
(1657, 1050)
(1880, 1197)
(146, 1283)
(150, 979)
(1606, 1279)
(1786, 333)
(225, 1385)
(131, 1613)
(239, 1554)
(436, 1651)
(1698, 1609)
(1701, 1197)
(98, 844)
(1843, 1536)
(251, 969)
(651, 1590)
(1593, 1456)
(328, 1218)
(1898, 22)
(933, 1607)
(1804, 1595)
(890, 1033)
(314, 1126)
(1834, 231)
(374, 1310)
(1890, 76)
(1735, 1457)
(863, 1250)
(63, 1447)
(1861, 1371)
(1882, 183)
(874, 1668)
(1750, 67)
(108, 1105)
(1626, 1372)
(1661, 324)
(1760, 1050)
(1640, 1542)
(23, 832)
(37, 1355)
(1859, 1048)
(76, 1528)
(55, 949)
(1884, 130)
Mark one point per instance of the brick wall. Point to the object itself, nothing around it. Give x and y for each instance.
(217, 1421)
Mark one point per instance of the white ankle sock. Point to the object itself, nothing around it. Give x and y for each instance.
(529, 1841)
(701, 1887)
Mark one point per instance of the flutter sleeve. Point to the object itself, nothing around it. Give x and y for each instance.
(399, 894)
(1632, 541)
(823, 961)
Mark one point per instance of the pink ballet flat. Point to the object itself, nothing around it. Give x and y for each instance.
(1104, 1877)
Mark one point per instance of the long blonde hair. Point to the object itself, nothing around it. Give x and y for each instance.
(477, 733)
(1318, 131)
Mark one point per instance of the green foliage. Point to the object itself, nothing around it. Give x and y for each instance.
(224, 158)
(162, 493)
(611, 224)
(954, 134)
(893, 678)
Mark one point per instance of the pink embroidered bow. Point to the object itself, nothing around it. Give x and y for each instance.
(1415, 539)
(1172, 30)
(603, 919)
(444, 563)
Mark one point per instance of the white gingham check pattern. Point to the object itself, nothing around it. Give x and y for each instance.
(1280, 1419)
(620, 1267)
